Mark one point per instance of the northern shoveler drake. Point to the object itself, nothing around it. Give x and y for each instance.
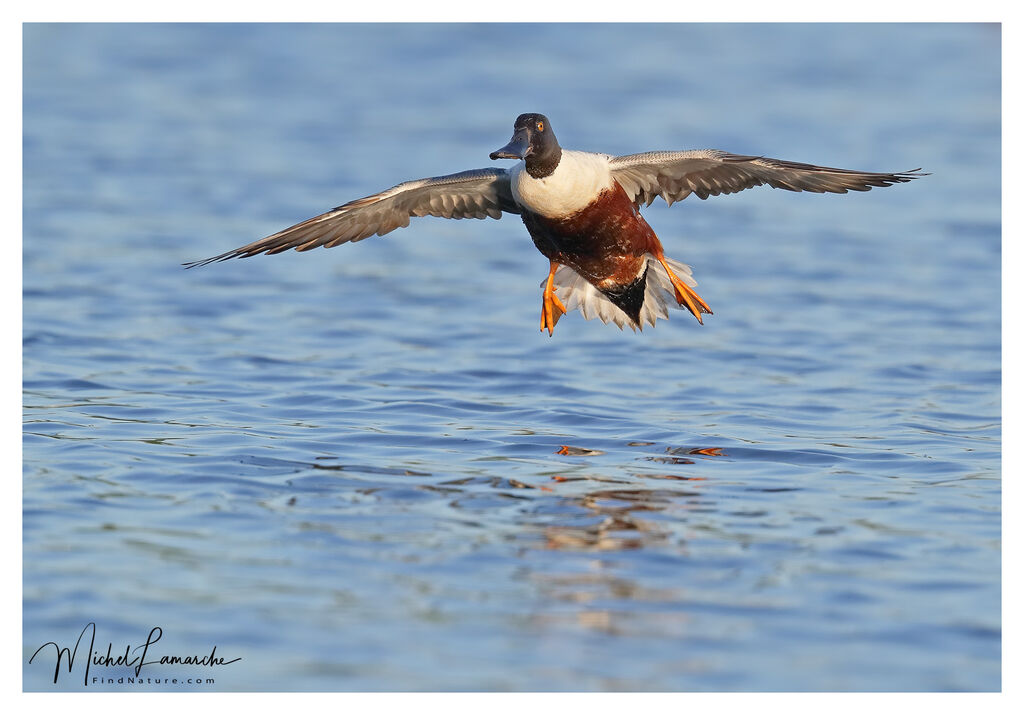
(582, 211)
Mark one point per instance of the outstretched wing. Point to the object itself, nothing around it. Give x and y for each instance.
(674, 175)
(479, 193)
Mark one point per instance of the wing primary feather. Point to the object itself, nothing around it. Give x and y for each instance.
(477, 193)
(709, 172)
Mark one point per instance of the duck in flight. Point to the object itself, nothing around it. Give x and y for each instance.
(582, 211)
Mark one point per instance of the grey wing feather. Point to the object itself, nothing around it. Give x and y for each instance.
(478, 193)
(674, 175)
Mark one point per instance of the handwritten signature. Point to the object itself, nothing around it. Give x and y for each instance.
(130, 658)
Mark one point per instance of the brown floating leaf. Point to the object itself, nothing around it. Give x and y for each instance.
(578, 451)
(673, 476)
(670, 460)
(520, 485)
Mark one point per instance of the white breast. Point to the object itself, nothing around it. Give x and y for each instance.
(577, 180)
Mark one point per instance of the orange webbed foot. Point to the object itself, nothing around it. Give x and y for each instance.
(685, 295)
(551, 307)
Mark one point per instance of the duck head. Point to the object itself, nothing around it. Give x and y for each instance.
(534, 141)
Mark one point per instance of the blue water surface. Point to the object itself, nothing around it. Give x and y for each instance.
(366, 468)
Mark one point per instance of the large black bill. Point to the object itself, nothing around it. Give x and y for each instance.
(518, 148)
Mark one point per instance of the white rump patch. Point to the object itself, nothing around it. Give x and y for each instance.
(575, 291)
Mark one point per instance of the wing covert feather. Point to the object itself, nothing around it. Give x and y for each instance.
(674, 175)
(478, 193)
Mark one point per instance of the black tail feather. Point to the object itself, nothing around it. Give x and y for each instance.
(630, 297)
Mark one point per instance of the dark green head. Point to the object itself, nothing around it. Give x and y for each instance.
(534, 141)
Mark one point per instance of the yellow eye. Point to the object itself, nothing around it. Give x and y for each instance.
(540, 126)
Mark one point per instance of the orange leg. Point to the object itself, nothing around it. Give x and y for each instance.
(685, 295)
(551, 307)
